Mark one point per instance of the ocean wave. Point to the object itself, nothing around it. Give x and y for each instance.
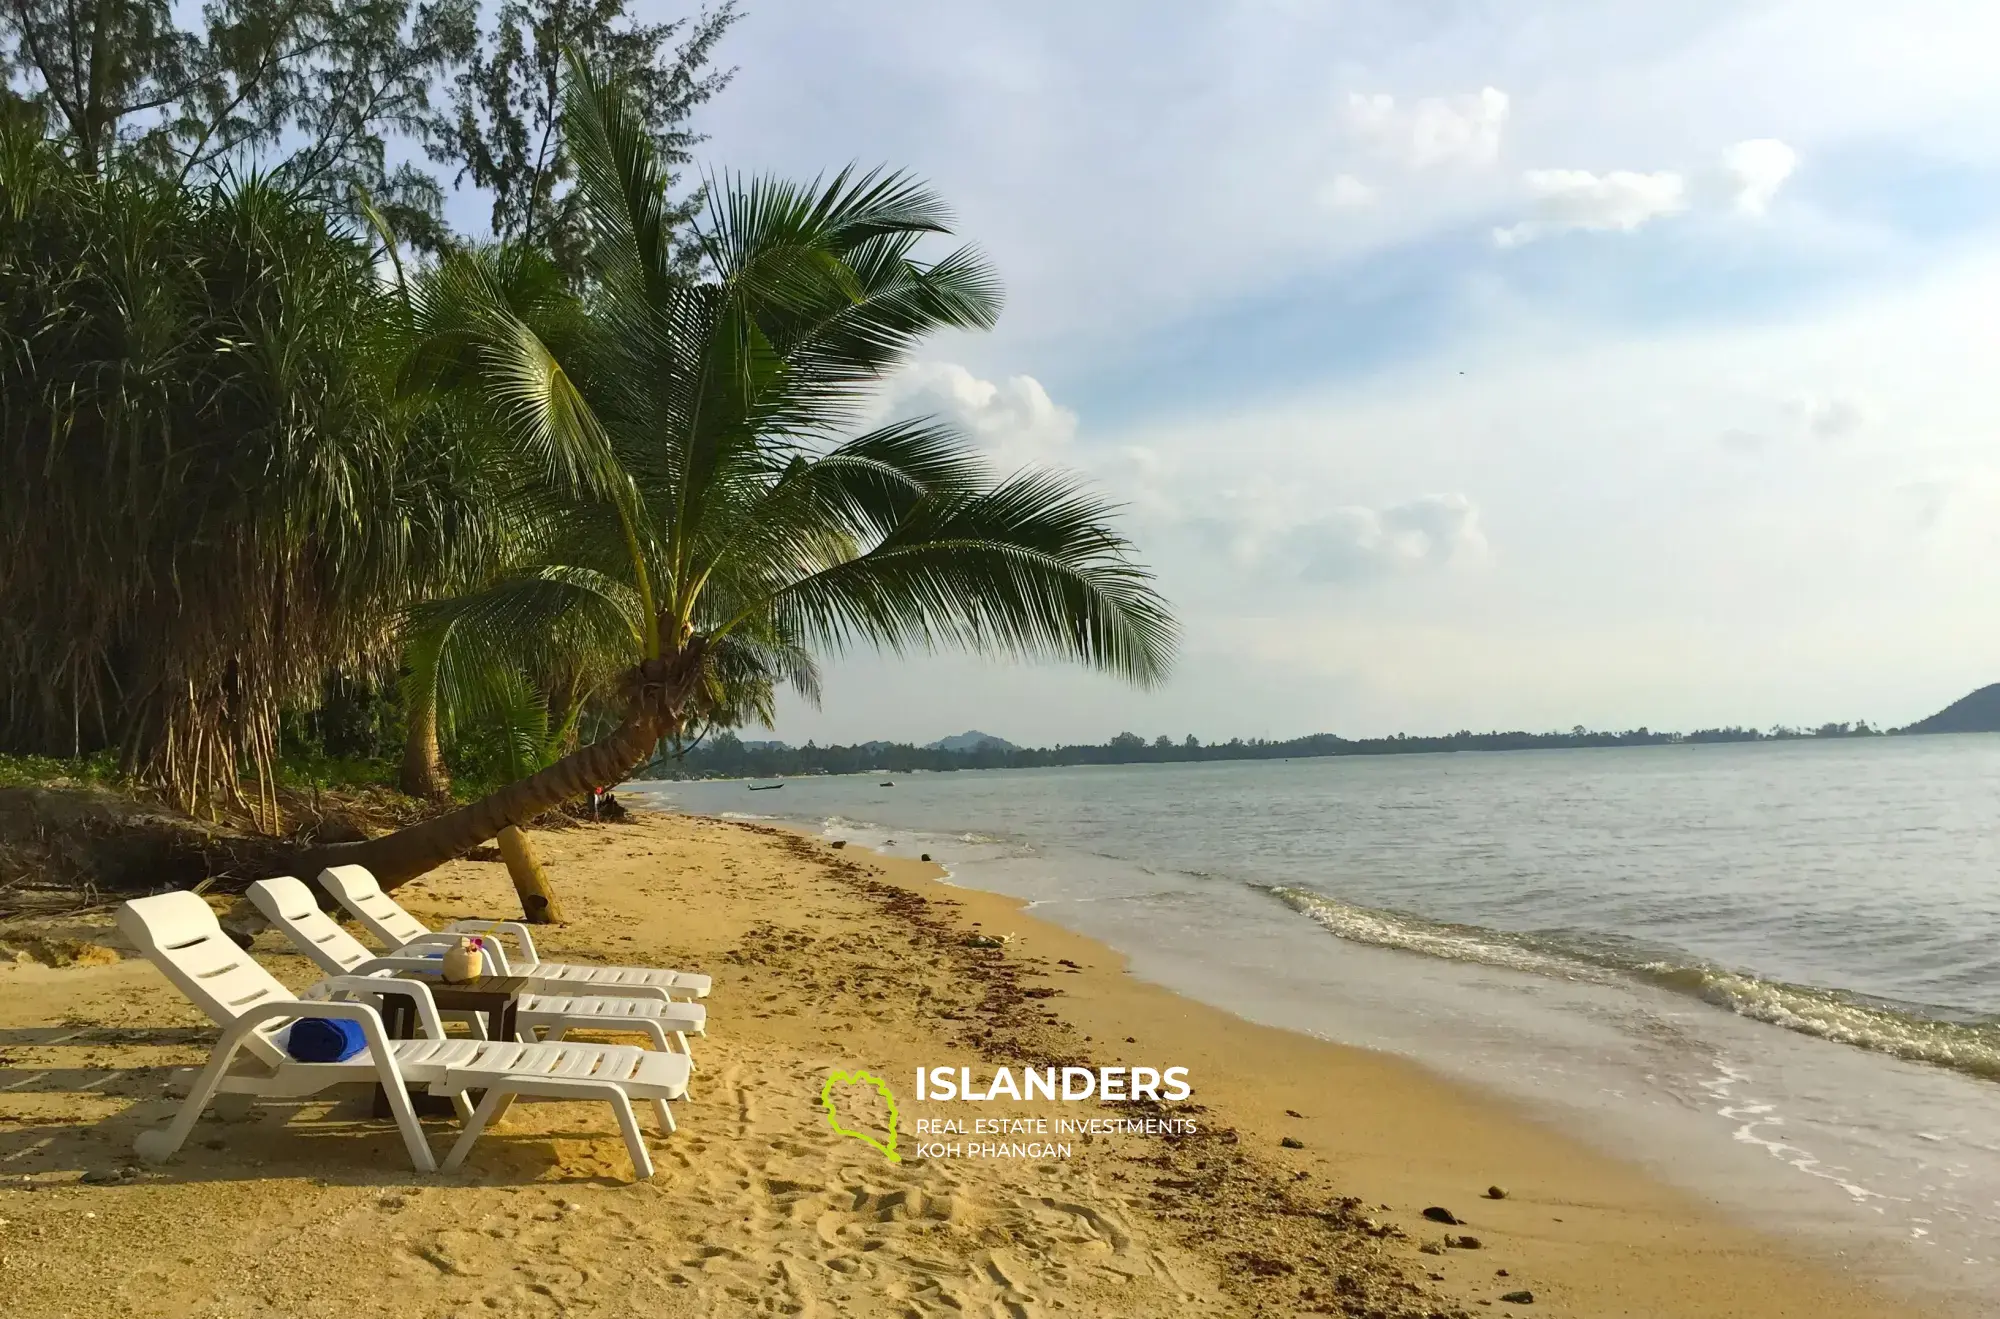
(1904, 1031)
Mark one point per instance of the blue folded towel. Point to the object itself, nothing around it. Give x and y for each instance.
(325, 1040)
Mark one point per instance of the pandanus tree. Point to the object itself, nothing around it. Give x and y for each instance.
(210, 492)
(706, 501)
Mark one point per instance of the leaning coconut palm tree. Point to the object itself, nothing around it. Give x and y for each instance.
(703, 503)
(530, 690)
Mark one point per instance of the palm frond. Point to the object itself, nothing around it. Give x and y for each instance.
(1028, 568)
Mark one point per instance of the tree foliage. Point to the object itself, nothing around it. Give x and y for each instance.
(714, 514)
(504, 129)
(315, 93)
(210, 493)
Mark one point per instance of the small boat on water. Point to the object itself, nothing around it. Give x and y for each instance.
(765, 787)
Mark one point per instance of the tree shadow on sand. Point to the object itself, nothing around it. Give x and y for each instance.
(338, 1145)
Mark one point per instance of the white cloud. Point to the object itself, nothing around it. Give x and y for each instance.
(1570, 199)
(1015, 420)
(1738, 440)
(1926, 501)
(1758, 168)
(1562, 200)
(1822, 417)
(1830, 418)
(1437, 130)
(1347, 193)
(1355, 542)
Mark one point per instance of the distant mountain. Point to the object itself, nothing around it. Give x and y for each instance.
(971, 740)
(1977, 713)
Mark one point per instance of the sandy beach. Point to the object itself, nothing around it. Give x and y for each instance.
(1303, 1189)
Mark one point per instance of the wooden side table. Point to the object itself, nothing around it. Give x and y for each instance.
(498, 998)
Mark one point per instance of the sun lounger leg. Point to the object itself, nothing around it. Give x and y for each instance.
(635, 1142)
(665, 1114)
(405, 1114)
(500, 1095)
(489, 1107)
(159, 1146)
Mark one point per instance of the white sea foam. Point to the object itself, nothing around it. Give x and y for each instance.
(1970, 1047)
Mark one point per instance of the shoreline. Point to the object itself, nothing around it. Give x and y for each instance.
(1602, 1235)
(1524, 958)
(831, 959)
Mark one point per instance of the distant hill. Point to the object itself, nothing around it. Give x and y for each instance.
(971, 740)
(1977, 713)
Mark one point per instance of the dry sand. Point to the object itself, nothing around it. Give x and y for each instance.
(826, 960)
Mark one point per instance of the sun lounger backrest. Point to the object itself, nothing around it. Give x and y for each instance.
(380, 914)
(181, 936)
(288, 904)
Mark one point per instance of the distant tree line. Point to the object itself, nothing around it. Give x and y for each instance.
(726, 756)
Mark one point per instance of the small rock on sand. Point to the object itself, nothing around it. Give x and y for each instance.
(1439, 1214)
(107, 1176)
(1519, 1298)
(1292, 1143)
(1496, 1193)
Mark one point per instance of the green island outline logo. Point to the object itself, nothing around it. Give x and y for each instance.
(888, 1151)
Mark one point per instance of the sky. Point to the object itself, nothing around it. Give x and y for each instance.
(1456, 364)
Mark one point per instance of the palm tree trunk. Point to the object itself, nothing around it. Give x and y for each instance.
(657, 690)
(531, 882)
(424, 773)
(407, 853)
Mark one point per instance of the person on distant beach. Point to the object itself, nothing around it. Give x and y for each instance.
(596, 798)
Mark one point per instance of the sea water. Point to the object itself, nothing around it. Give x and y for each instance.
(1771, 972)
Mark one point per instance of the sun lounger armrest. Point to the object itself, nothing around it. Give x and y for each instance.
(514, 928)
(397, 962)
(372, 1028)
(377, 985)
(435, 939)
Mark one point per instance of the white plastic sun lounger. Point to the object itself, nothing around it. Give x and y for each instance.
(288, 904)
(181, 936)
(382, 916)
